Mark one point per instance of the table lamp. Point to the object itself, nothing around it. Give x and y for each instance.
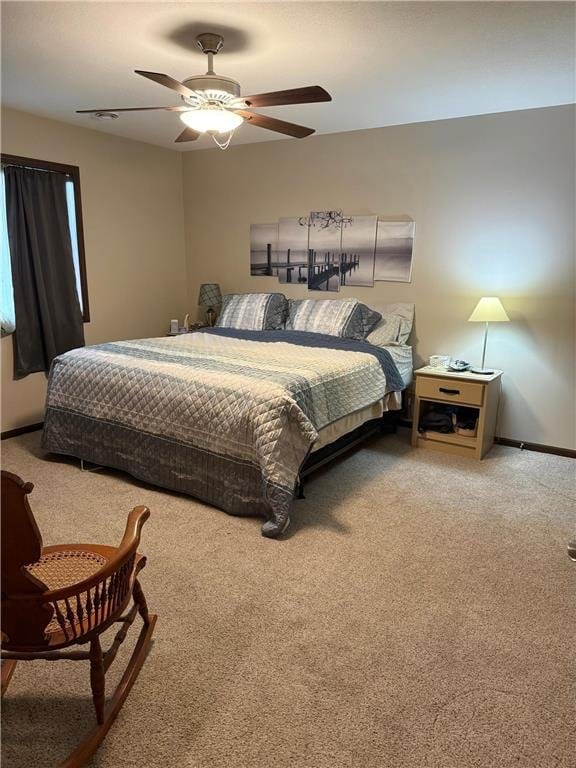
(210, 297)
(488, 310)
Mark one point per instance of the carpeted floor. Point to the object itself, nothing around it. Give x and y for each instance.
(421, 614)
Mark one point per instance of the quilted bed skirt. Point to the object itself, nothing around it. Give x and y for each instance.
(231, 484)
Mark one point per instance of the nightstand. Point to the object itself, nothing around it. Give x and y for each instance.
(480, 393)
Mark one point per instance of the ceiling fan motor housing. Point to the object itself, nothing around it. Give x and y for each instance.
(212, 83)
(209, 42)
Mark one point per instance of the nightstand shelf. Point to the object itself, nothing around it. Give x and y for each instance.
(452, 438)
(472, 391)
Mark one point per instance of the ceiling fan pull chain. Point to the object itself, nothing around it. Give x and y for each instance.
(225, 144)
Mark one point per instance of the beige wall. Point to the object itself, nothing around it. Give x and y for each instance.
(493, 201)
(132, 209)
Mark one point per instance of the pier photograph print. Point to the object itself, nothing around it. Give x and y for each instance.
(293, 250)
(358, 244)
(324, 250)
(394, 247)
(263, 249)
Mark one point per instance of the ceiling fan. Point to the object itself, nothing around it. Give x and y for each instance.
(213, 105)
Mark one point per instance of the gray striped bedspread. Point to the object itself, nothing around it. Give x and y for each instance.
(226, 417)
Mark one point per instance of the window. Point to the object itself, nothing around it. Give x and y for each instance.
(74, 208)
(6, 295)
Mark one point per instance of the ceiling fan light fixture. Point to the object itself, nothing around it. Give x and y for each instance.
(213, 119)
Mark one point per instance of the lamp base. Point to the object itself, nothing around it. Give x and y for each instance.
(482, 371)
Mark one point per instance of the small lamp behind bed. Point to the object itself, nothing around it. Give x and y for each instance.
(210, 297)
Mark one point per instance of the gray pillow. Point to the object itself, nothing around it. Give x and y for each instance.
(337, 317)
(253, 311)
(369, 319)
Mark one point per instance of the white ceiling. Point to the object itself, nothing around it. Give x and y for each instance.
(384, 63)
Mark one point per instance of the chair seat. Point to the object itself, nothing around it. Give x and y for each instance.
(63, 568)
(60, 567)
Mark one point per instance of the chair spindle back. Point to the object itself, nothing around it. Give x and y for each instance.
(21, 545)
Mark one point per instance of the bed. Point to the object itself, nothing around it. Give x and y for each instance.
(228, 416)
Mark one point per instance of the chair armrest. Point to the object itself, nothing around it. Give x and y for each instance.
(136, 520)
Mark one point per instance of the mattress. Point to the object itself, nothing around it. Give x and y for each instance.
(401, 354)
(392, 401)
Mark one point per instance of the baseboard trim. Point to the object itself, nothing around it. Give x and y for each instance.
(567, 452)
(21, 430)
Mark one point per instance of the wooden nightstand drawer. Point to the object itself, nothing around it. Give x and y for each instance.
(450, 390)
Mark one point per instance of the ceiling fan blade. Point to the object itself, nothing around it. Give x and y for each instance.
(312, 93)
(167, 81)
(272, 124)
(130, 109)
(188, 134)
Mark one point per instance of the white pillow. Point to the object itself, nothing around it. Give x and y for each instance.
(386, 332)
(404, 311)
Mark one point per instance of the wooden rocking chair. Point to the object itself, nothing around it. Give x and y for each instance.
(68, 595)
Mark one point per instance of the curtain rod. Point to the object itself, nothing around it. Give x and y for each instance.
(33, 168)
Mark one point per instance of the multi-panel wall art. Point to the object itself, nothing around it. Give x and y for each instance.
(324, 250)
(394, 246)
(292, 263)
(327, 249)
(358, 245)
(263, 249)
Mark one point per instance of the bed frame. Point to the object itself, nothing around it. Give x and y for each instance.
(386, 424)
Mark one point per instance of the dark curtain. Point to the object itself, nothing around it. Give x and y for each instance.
(47, 309)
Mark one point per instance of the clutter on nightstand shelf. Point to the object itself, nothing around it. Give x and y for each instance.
(466, 421)
(446, 419)
(436, 418)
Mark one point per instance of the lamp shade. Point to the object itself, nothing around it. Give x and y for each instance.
(489, 310)
(209, 295)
